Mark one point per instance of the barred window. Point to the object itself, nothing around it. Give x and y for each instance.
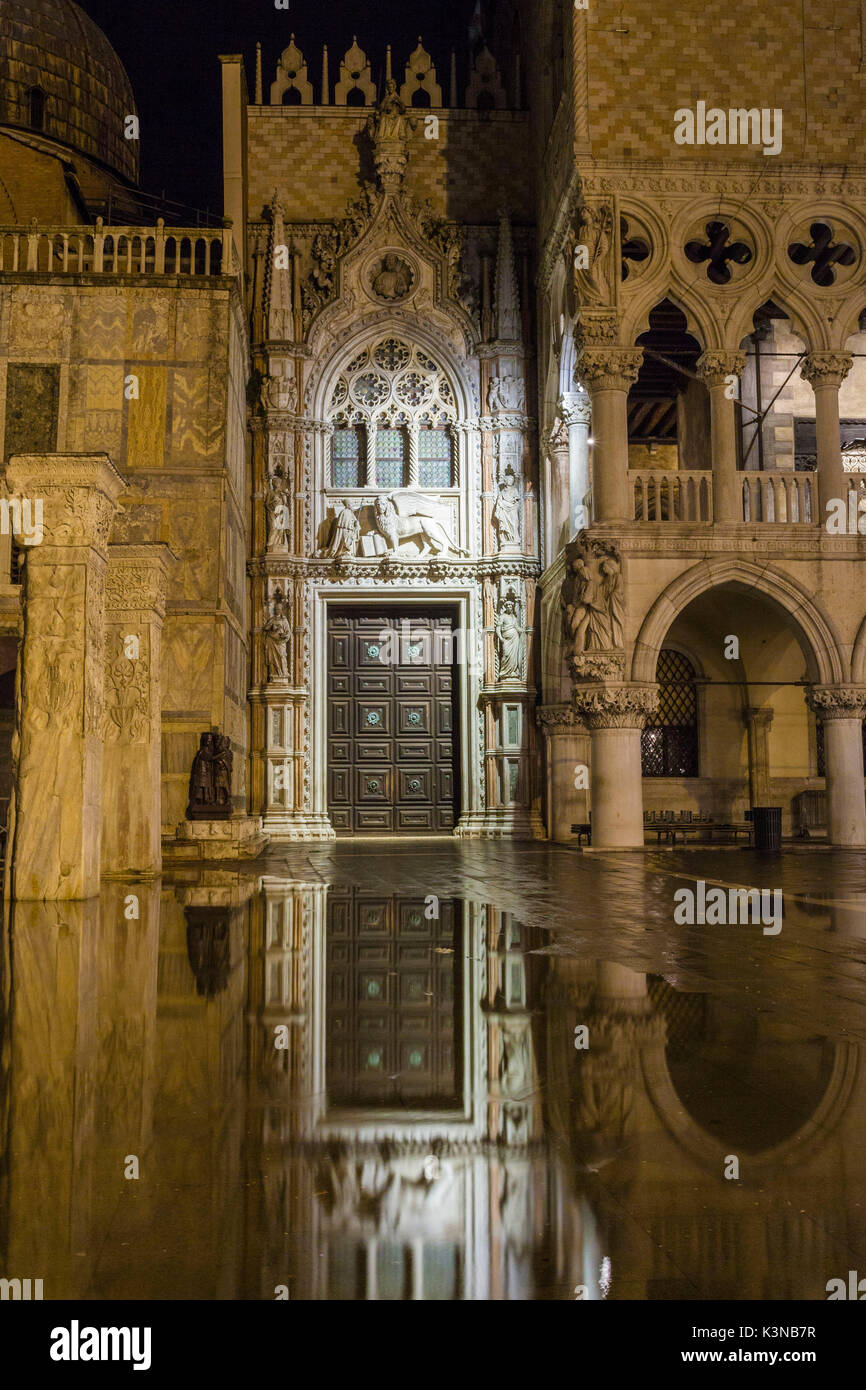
(392, 458)
(435, 468)
(669, 739)
(348, 456)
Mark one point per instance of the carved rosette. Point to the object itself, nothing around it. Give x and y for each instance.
(615, 706)
(609, 369)
(714, 366)
(837, 701)
(826, 368)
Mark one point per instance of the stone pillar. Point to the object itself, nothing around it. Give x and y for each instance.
(575, 410)
(557, 502)
(716, 369)
(56, 812)
(567, 770)
(758, 722)
(614, 715)
(841, 709)
(131, 764)
(609, 373)
(825, 372)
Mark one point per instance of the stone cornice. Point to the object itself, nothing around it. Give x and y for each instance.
(649, 540)
(380, 567)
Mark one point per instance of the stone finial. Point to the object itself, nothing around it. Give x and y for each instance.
(452, 95)
(485, 90)
(292, 75)
(420, 76)
(508, 325)
(258, 74)
(277, 299)
(326, 85)
(355, 73)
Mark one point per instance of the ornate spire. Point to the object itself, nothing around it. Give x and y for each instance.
(258, 74)
(277, 306)
(508, 326)
(326, 86)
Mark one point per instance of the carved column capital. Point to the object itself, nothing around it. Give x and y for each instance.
(78, 492)
(609, 368)
(615, 706)
(137, 578)
(574, 408)
(557, 719)
(714, 366)
(826, 368)
(837, 701)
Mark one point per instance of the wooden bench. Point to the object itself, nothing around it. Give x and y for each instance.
(583, 828)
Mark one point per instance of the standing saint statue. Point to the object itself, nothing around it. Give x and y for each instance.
(610, 569)
(201, 782)
(506, 511)
(585, 623)
(509, 640)
(277, 506)
(276, 633)
(347, 530)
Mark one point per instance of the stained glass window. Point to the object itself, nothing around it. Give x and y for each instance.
(392, 458)
(434, 458)
(669, 739)
(348, 457)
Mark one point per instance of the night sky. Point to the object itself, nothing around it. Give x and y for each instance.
(170, 49)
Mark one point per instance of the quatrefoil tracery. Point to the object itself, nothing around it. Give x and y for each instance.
(824, 251)
(718, 250)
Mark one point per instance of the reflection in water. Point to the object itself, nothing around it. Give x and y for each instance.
(364, 1095)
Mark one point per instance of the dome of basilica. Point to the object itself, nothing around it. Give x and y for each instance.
(61, 78)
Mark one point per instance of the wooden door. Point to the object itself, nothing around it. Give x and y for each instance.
(392, 725)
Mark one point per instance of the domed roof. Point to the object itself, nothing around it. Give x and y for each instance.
(52, 46)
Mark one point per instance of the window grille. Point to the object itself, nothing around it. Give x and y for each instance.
(669, 739)
(435, 467)
(392, 458)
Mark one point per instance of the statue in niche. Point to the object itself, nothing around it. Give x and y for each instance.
(345, 533)
(509, 639)
(393, 280)
(506, 511)
(276, 633)
(277, 508)
(427, 530)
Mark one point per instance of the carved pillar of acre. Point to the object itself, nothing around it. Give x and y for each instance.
(615, 715)
(131, 783)
(508, 572)
(56, 812)
(841, 709)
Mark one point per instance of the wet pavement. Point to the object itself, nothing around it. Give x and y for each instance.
(439, 1070)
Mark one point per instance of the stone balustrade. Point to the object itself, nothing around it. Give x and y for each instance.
(101, 250)
(672, 495)
(781, 498)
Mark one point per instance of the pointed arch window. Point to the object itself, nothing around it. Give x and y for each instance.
(669, 739)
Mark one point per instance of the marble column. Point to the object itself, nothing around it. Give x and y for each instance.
(758, 723)
(567, 770)
(56, 810)
(716, 370)
(575, 410)
(609, 373)
(557, 502)
(825, 372)
(841, 710)
(614, 715)
(135, 593)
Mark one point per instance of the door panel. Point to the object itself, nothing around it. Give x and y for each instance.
(393, 725)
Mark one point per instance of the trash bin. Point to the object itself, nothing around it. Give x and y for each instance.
(767, 821)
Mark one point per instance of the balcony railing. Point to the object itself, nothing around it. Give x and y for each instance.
(786, 499)
(668, 495)
(104, 250)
